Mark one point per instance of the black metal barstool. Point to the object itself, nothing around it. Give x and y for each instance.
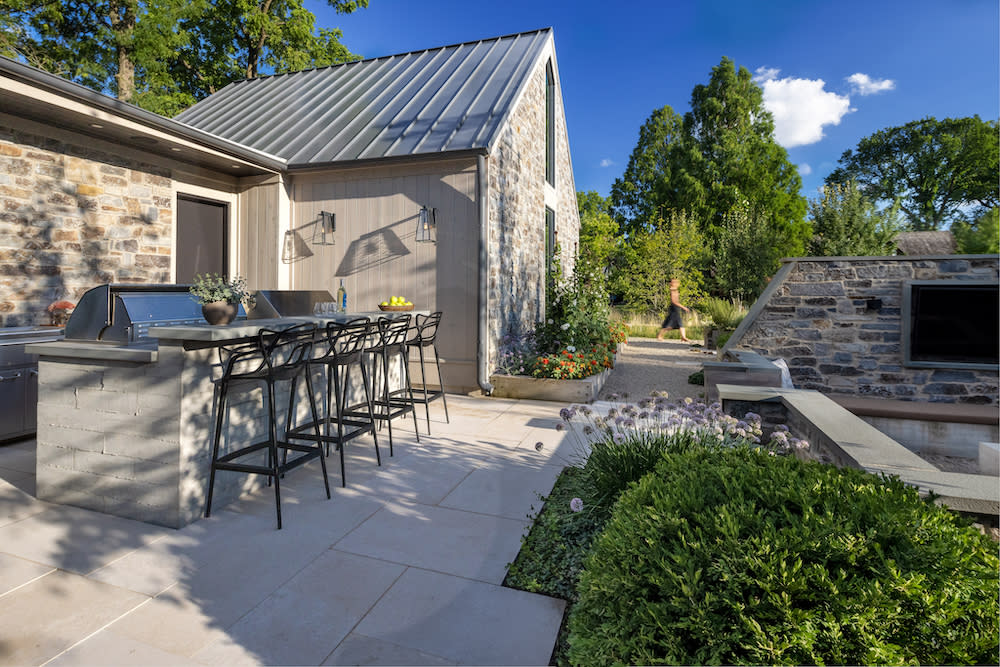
(390, 347)
(342, 351)
(425, 336)
(276, 356)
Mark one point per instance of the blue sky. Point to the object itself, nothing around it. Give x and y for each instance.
(840, 70)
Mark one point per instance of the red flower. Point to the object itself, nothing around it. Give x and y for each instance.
(60, 305)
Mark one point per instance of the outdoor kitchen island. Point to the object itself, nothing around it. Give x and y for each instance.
(126, 429)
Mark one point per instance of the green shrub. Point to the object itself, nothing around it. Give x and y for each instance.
(724, 313)
(732, 556)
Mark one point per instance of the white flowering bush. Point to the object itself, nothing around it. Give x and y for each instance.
(620, 444)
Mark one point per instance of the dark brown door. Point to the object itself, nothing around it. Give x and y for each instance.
(202, 239)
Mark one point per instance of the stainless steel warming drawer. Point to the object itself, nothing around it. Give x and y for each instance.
(19, 379)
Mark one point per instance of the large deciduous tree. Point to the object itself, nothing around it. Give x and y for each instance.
(937, 170)
(846, 223)
(166, 55)
(722, 155)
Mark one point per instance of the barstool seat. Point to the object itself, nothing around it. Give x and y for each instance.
(425, 336)
(341, 352)
(275, 356)
(390, 346)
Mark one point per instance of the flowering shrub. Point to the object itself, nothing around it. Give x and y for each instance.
(573, 364)
(59, 312)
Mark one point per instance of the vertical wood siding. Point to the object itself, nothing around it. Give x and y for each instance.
(375, 250)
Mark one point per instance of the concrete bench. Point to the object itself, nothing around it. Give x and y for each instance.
(849, 441)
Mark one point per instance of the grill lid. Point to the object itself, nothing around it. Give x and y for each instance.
(124, 313)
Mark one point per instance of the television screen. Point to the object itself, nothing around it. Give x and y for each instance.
(954, 323)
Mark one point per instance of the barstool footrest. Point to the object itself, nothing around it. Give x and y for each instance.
(228, 461)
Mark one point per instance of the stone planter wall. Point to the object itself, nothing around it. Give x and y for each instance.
(547, 389)
(817, 315)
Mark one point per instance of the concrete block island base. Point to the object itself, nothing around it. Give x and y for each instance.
(127, 429)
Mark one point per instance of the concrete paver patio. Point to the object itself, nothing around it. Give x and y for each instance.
(403, 566)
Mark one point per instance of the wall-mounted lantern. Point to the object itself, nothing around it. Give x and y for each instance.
(426, 224)
(327, 227)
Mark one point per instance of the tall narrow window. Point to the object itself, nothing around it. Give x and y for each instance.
(550, 239)
(550, 125)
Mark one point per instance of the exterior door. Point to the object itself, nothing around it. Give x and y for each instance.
(202, 238)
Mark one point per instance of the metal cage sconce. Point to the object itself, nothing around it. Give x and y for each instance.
(426, 225)
(327, 226)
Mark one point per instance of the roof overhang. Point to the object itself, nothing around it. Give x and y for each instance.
(38, 96)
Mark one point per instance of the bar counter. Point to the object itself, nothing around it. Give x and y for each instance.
(127, 429)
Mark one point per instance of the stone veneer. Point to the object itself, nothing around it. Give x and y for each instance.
(71, 218)
(517, 203)
(815, 316)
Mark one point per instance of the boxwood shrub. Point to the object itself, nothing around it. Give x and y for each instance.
(737, 557)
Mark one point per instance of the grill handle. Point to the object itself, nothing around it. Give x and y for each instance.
(10, 378)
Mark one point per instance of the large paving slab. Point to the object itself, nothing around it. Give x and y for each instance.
(468, 622)
(466, 544)
(53, 612)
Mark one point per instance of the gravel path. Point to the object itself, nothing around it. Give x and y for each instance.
(646, 365)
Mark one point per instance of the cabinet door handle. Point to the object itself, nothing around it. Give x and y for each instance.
(10, 378)
(33, 373)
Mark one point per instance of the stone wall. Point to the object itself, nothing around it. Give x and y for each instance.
(72, 217)
(822, 318)
(517, 201)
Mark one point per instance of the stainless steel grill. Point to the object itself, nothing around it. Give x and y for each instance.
(19, 379)
(124, 313)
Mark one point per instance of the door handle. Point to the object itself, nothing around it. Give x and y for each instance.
(9, 379)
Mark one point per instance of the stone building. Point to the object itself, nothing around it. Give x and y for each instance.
(919, 328)
(301, 181)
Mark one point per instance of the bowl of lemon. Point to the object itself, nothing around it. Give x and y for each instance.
(396, 303)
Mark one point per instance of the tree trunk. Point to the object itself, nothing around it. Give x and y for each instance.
(123, 26)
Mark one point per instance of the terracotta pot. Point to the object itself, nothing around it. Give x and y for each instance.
(219, 312)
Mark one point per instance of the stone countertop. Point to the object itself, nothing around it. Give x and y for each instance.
(208, 333)
(202, 335)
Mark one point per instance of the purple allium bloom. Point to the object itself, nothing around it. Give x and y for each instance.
(576, 505)
(539, 446)
(588, 429)
(560, 427)
(629, 423)
(781, 427)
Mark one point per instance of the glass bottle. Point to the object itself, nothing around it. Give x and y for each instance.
(342, 297)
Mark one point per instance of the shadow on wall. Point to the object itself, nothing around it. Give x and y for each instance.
(373, 250)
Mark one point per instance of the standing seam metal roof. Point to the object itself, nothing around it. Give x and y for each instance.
(450, 98)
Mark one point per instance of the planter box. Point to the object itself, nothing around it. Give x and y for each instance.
(547, 389)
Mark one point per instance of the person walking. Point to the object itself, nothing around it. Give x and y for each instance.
(673, 318)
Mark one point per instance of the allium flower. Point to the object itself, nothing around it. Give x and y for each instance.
(560, 427)
(564, 326)
(539, 446)
(576, 505)
(571, 348)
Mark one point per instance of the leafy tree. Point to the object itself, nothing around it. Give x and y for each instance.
(165, 55)
(846, 223)
(674, 249)
(981, 237)
(598, 232)
(746, 253)
(936, 169)
(721, 155)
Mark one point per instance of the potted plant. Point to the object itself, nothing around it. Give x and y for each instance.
(59, 312)
(725, 315)
(220, 298)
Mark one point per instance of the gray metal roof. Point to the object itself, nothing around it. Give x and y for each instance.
(451, 98)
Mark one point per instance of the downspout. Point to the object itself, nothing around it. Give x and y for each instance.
(482, 193)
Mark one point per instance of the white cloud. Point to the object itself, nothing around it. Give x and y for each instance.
(863, 84)
(805, 169)
(801, 107)
(607, 162)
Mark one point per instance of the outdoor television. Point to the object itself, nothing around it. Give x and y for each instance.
(952, 324)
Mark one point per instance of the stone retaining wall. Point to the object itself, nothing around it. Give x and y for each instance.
(72, 217)
(824, 318)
